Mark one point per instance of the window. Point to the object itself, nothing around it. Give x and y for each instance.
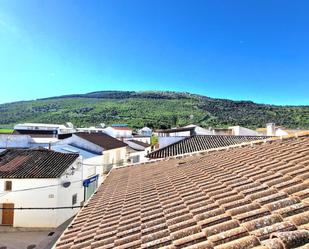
(8, 186)
(74, 199)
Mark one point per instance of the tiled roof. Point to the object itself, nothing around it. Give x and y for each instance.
(101, 139)
(34, 163)
(140, 143)
(200, 143)
(246, 197)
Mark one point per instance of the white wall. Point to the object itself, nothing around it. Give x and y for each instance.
(280, 132)
(145, 131)
(115, 156)
(146, 139)
(142, 156)
(118, 133)
(242, 131)
(17, 141)
(81, 143)
(89, 171)
(202, 131)
(175, 134)
(53, 196)
(165, 141)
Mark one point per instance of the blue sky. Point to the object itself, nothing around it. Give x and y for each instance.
(254, 50)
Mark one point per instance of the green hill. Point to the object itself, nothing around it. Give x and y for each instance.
(152, 108)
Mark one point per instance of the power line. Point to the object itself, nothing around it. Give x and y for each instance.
(42, 187)
(47, 186)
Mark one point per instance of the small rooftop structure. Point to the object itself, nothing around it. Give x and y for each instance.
(44, 130)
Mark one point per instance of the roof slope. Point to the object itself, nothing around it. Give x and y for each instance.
(200, 143)
(101, 139)
(246, 197)
(140, 143)
(34, 163)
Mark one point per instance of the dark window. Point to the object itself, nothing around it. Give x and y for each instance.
(8, 185)
(74, 199)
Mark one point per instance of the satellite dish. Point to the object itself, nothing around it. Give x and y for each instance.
(66, 184)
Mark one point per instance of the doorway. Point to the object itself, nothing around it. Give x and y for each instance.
(8, 214)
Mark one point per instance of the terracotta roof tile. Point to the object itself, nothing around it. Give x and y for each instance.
(241, 198)
(34, 163)
(201, 143)
(101, 139)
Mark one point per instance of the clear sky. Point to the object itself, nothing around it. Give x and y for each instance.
(238, 49)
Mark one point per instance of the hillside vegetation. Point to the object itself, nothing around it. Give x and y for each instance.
(154, 109)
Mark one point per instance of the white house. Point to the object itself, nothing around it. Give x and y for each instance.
(113, 151)
(137, 151)
(39, 188)
(119, 132)
(145, 131)
(141, 138)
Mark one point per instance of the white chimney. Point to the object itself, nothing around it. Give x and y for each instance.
(271, 129)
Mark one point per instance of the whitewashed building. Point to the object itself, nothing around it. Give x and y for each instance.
(120, 132)
(137, 151)
(113, 151)
(92, 166)
(39, 188)
(145, 131)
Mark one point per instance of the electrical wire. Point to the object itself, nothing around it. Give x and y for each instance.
(2, 194)
(42, 187)
(47, 186)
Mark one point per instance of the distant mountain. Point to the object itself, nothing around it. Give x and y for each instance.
(157, 109)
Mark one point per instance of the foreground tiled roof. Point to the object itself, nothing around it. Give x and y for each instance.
(200, 143)
(34, 163)
(101, 139)
(247, 197)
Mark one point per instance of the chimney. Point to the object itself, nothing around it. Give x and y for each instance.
(270, 129)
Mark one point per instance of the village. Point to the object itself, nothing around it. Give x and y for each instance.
(52, 175)
(166, 124)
